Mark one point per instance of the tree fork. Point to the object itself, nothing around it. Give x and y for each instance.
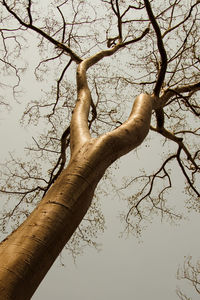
(28, 253)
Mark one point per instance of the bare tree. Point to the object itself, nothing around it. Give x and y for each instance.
(156, 48)
(190, 272)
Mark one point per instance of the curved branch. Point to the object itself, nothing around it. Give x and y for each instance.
(171, 136)
(185, 174)
(133, 131)
(64, 23)
(79, 123)
(187, 102)
(61, 160)
(178, 90)
(58, 86)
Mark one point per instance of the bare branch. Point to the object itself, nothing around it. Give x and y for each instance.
(29, 12)
(73, 55)
(161, 48)
(185, 174)
(58, 86)
(169, 93)
(181, 22)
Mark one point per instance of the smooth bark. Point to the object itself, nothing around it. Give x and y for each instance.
(28, 253)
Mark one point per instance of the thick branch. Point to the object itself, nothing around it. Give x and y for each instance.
(79, 123)
(119, 21)
(133, 131)
(169, 93)
(79, 132)
(161, 48)
(29, 12)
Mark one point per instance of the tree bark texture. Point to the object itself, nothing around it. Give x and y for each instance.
(28, 253)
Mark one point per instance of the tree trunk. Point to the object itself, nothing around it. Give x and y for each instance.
(28, 253)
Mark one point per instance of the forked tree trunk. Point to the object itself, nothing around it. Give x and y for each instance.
(28, 253)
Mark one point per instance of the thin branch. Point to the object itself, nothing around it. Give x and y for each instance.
(171, 136)
(185, 174)
(64, 23)
(72, 54)
(58, 86)
(187, 102)
(168, 93)
(136, 39)
(150, 183)
(182, 22)
(61, 160)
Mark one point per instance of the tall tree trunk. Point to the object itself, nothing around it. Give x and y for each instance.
(28, 253)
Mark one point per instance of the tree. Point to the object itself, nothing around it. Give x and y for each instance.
(158, 41)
